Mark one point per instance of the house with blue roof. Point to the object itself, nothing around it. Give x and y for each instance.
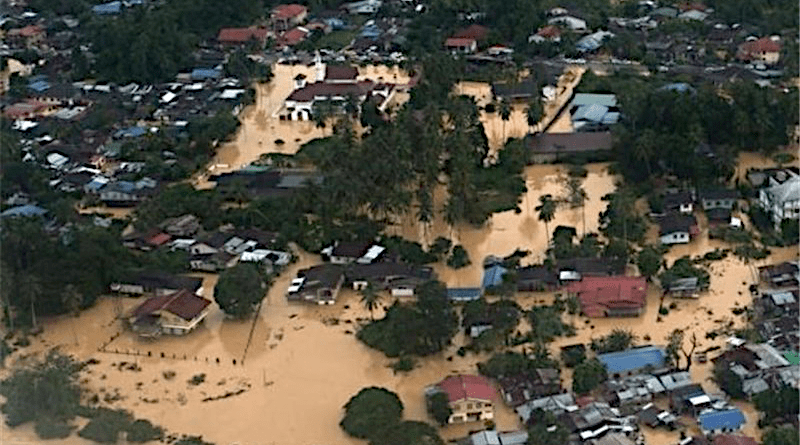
(593, 112)
(110, 8)
(493, 276)
(131, 132)
(203, 74)
(39, 86)
(592, 42)
(23, 211)
(633, 361)
(463, 294)
(725, 421)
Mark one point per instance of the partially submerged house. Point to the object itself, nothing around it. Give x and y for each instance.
(677, 228)
(347, 252)
(552, 147)
(177, 313)
(520, 388)
(400, 279)
(781, 200)
(471, 397)
(318, 284)
(718, 199)
(556, 404)
(725, 421)
(633, 361)
(615, 296)
(156, 283)
(536, 278)
(593, 112)
(684, 288)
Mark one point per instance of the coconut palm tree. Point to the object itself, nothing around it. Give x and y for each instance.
(505, 115)
(371, 299)
(547, 211)
(534, 112)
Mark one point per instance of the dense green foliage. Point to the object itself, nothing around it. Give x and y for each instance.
(621, 220)
(728, 381)
(546, 323)
(439, 407)
(153, 44)
(684, 268)
(39, 267)
(240, 289)
(370, 412)
(502, 316)
(588, 376)
(509, 363)
(408, 432)
(786, 435)
(541, 431)
(649, 261)
(777, 405)
(420, 328)
(458, 257)
(617, 340)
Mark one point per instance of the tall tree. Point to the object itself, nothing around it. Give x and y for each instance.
(239, 290)
(505, 115)
(370, 298)
(534, 112)
(547, 211)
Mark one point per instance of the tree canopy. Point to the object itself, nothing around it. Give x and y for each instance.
(369, 413)
(588, 376)
(239, 289)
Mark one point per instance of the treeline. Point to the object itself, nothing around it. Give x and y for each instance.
(696, 135)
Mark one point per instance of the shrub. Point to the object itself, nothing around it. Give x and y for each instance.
(52, 429)
(405, 364)
(106, 426)
(370, 412)
(197, 379)
(143, 431)
(458, 258)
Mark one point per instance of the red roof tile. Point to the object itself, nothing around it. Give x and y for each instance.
(183, 304)
(28, 31)
(458, 42)
(158, 239)
(292, 37)
(460, 387)
(597, 294)
(476, 32)
(549, 32)
(756, 47)
(288, 11)
(241, 35)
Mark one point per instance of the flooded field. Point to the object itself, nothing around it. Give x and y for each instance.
(262, 132)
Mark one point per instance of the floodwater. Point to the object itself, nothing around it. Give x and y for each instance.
(262, 132)
(507, 231)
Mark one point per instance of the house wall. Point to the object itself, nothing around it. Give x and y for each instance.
(128, 288)
(624, 312)
(471, 410)
(675, 238)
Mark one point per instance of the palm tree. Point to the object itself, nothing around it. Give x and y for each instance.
(534, 112)
(547, 211)
(371, 299)
(577, 198)
(646, 146)
(505, 115)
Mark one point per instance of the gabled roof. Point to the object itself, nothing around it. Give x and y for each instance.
(730, 439)
(340, 72)
(762, 45)
(288, 11)
(241, 35)
(608, 100)
(717, 194)
(475, 32)
(676, 223)
(327, 90)
(599, 294)
(566, 143)
(27, 210)
(459, 42)
(182, 303)
(632, 359)
(462, 387)
(493, 276)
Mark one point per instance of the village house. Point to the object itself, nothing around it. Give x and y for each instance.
(536, 278)
(177, 314)
(181, 226)
(400, 279)
(336, 84)
(212, 262)
(552, 147)
(317, 284)
(680, 202)
(127, 193)
(347, 252)
(461, 45)
(493, 437)
(156, 283)
(764, 50)
(147, 240)
(781, 275)
(241, 36)
(549, 33)
(653, 417)
(615, 296)
(614, 439)
(718, 199)
(725, 421)
(689, 399)
(471, 397)
(781, 200)
(633, 361)
(464, 294)
(593, 112)
(677, 229)
(28, 36)
(284, 17)
(635, 389)
(555, 404)
(684, 288)
(574, 269)
(594, 420)
(520, 388)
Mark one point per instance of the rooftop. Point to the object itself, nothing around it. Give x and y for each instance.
(730, 419)
(632, 359)
(463, 386)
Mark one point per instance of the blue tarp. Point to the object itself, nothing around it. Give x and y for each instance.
(729, 420)
(632, 359)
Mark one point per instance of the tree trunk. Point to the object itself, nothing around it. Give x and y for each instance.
(690, 353)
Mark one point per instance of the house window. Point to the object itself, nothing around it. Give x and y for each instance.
(469, 406)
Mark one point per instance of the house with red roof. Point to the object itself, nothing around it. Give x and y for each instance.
(29, 36)
(177, 313)
(241, 36)
(548, 33)
(471, 397)
(292, 37)
(464, 45)
(764, 50)
(614, 296)
(284, 17)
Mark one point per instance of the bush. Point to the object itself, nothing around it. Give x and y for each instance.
(197, 379)
(143, 431)
(458, 258)
(439, 407)
(588, 376)
(52, 429)
(106, 426)
(573, 356)
(405, 364)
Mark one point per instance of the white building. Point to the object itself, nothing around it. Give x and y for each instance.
(781, 200)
